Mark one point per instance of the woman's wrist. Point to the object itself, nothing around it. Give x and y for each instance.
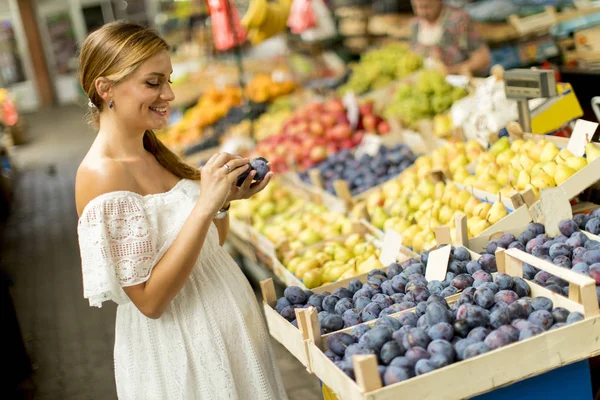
(226, 206)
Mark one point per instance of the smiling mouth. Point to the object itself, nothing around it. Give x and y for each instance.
(160, 110)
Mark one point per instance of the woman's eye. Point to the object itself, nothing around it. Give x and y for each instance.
(152, 84)
(170, 81)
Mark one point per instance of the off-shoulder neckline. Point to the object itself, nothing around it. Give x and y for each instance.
(129, 192)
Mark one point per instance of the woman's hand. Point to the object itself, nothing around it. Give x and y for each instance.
(218, 175)
(248, 189)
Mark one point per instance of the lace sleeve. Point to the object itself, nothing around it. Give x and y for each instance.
(117, 242)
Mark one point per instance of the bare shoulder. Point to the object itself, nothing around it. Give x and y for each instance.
(98, 175)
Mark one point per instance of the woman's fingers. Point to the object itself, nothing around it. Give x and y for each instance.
(260, 185)
(237, 162)
(248, 181)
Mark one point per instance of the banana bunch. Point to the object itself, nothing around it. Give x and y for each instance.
(265, 19)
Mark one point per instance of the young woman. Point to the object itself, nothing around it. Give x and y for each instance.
(448, 35)
(150, 233)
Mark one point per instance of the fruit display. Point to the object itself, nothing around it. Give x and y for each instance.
(317, 131)
(429, 96)
(274, 200)
(401, 288)
(414, 205)
(485, 319)
(263, 88)
(334, 260)
(571, 250)
(378, 68)
(365, 172)
(210, 108)
(522, 164)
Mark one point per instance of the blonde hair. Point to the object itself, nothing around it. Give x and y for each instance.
(115, 51)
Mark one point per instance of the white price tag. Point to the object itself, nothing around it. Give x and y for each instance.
(437, 264)
(352, 111)
(555, 208)
(370, 145)
(457, 80)
(582, 135)
(278, 76)
(392, 242)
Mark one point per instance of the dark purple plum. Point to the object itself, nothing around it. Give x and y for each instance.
(393, 270)
(558, 325)
(402, 362)
(397, 298)
(530, 331)
(391, 350)
(526, 237)
(461, 328)
(295, 295)
(567, 227)
(533, 243)
(559, 249)
(449, 277)
(361, 302)
(479, 333)
(542, 276)
(435, 287)
(375, 272)
(394, 375)
(288, 313)
(461, 345)
(594, 271)
(387, 288)
(420, 294)
(420, 308)
(521, 287)
(343, 305)
(500, 317)
(491, 247)
(593, 226)
(434, 298)
(441, 348)
(497, 339)
(577, 240)
(449, 291)
(541, 318)
(416, 337)
(554, 288)
(574, 317)
(329, 303)
(408, 318)
(355, 286)
(510, 331)
(351, 318)
(366, 315)
(488, 263)
(338, 342)
(316, 300)
(414, 354)
(517, 245)
(362, 293)
(343, 293)
(461, 254)
(465, 298)
(462, 281)
(506, 239)
(457, 267)
(332, 356)
(529, 271)
(399, 283)
(375, 338)
(475, 349)
(442, 330)
(424, 366)
(359, 330)
(543, 250)
(440, 361)
(517, 311)
(542, 303)
(581, 219)
(491, 285)
(390, 322)
(473, 266)
(383, 300)
(560, 315)
(520, 324)
(474, 315)
(582, 268)
(506, 296)
(405, 305)
(437, 313)
(332, 323)
(281, 304)
(498, 306)
(536, 228)
(484, 297)
(562, 261)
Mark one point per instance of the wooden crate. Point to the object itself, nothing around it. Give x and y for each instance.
(480, 374)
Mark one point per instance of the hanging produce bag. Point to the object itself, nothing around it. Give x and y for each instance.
(325, 27)
(223, 34)
(302, 16)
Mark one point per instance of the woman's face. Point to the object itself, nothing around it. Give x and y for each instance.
(142, 99)
(427, 9)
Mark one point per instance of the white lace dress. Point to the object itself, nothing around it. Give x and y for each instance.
(211, 342)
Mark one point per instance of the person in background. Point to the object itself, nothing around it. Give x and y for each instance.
(449, 36)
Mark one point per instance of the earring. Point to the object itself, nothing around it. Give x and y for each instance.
(110, 104)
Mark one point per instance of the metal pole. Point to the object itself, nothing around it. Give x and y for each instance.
(524, 115)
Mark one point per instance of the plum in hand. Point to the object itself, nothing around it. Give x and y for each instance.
(260, 165)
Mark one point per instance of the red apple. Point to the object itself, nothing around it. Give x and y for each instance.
(357, 138)
(347, 144)
(335, 105)
(370, 123)
(366, 109)
(328, 120)
(341, 132)
(331, 148)
(318, 154)
(316, 128)
(383, 128)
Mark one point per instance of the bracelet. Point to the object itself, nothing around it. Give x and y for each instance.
(223, 212)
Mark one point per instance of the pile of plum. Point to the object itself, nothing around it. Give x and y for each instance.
(365, 172)
(495, 314)
(400, 288)
(572, 250)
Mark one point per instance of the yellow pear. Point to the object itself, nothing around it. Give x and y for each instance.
(461, 200)
(576, 163)
(550, 167)
(591, 152)
(493, 187)
(305, 266)
(502, 144)
(496, 213)
(478, 226)
(536, 168)
(523, 179)
(312, 279)
(481, 210)
(438, 190)
(292, 265)
(473, 149)
(504, 158)
(562, 156)
(526, 162)
(542, 180)
(502, 177)
(516, 145)
(470, 181)
(470, 206)
(445, 214)
(563, 172)
(549, 152)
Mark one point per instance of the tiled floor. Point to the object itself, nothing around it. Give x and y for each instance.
(70, 344)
